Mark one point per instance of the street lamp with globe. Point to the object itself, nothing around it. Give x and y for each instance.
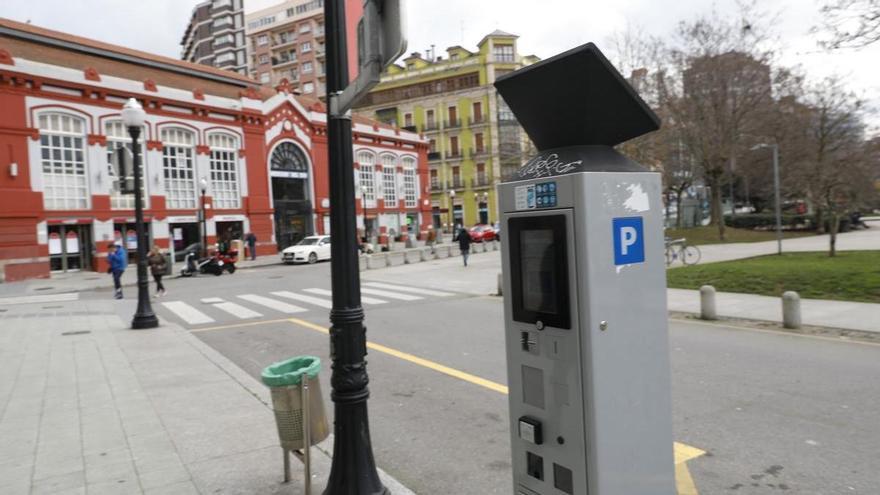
(133, 117)
(451, 208)
(203, 186)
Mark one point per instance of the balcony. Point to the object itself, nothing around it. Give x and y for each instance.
(320, 52)
(481, 181)
(280, 62)
(453, 155)
(478, 152)
(434, 155)
(456, 183)
(410, 128)
(453, 123)
(319, 33)
(429, 126)
(481, 120)
(281, 44)
(436, 185)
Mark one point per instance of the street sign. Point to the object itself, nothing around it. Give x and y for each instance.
(629, 243)
(379, 38)
(122, 167)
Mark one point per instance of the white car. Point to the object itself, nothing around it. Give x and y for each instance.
(309, 250)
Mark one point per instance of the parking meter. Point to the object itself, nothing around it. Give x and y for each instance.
(585, 288)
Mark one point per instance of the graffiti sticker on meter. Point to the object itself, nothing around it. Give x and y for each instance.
(629, 243)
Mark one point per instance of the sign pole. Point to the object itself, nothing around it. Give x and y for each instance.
(353, 471)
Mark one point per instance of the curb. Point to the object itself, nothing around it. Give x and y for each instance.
(843, 334)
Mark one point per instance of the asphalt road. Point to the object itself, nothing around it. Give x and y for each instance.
(775, 412)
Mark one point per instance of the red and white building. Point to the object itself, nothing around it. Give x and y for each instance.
(261, 151)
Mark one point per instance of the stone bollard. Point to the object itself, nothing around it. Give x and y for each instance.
(483, 248)
(494, 245)
(449, 251)
(406, 254)
(791, 310)
(423, 254)
(500, 283)
(369, 258)
(387, 258)
(707, 303)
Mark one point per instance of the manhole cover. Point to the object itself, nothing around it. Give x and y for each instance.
(44, 288)
(77, 332)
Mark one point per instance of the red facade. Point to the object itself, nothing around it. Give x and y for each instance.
(262, 154)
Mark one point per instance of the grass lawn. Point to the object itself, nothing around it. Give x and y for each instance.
(709, 235)
(850, 276)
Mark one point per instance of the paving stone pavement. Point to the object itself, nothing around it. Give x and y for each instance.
(89, 406)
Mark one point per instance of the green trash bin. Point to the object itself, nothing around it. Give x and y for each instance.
(299, 409)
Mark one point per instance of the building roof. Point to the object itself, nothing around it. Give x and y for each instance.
(50, 37)
(497, 34)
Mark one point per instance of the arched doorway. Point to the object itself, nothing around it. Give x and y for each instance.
(291, 194)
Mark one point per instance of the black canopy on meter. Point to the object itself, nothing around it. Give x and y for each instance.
(576, 98)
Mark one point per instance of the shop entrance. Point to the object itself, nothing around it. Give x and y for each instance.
(70, 247)
(185, 235)
(291, 196)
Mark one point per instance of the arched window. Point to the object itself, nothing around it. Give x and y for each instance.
(178, 152)
(389, 180)
(367, 162)
(410, 182)
(118, 137)
(62, 148)
(224, 170)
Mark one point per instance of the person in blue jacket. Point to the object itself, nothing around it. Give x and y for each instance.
(118, 261)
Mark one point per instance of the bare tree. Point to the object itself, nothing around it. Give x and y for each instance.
(849, 23)
(836, 165)
(716, 86)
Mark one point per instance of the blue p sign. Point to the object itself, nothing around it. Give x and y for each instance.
(629, 243)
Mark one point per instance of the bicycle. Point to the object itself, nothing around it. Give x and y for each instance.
(680, 249)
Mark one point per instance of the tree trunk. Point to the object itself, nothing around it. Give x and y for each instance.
(820, 220)
(678, 195)
(717, 212)
(832, 230)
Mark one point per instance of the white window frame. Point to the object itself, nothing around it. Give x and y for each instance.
(410, 182)
(308, 87)
(179, 167)
(367, 178)
(64, 166)
(118, 137)
(262, 39)
(307, 68)
(224, 171)
(305, 47)
(389, 180)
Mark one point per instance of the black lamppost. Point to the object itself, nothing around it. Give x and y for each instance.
(203, 186)
(133, 117)
(367, 232)
(451, 208)
(353, 471)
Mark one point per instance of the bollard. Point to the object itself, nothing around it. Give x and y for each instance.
(449, 251)
(500, 283)
(369, 258)
(791, 310)
(387, 258)
(707, 303)
(423, 254)
(495, 246)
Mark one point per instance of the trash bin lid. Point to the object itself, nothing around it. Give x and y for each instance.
(290, 371)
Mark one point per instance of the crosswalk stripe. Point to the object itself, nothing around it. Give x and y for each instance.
(237, 310)
(41, 298)
(212, 300)
(272, 304)
(317, 301)
(392, 295)
(365, 300)
(414, 290)
(187, 313)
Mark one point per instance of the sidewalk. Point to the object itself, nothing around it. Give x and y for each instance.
(88, 280)
(480, 278)
(89, 406)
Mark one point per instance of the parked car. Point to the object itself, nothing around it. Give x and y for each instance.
(309, 250)
(480, 233)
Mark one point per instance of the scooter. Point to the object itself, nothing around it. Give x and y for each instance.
(228, 260)
(192, 265)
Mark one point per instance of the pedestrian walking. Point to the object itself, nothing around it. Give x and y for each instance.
(432, 238)
(158, 267)
(118, 260)
(464, 244)
(251, 240)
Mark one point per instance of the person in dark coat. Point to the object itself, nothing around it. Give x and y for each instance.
(251, 240)
(464, 244)
(158, 267)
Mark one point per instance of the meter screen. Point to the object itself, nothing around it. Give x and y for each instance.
(538, 271)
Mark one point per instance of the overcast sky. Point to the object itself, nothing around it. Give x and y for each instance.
(545, 27)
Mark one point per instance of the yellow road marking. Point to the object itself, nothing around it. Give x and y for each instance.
(239, 325)
(682, 453)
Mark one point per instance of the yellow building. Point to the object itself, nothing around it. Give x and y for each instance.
(475, 139)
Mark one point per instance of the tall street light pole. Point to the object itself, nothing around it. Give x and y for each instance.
(451, 208)
(203, 186)
(367, 232)
(133, 117)
(778, 205)
(353, 471)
